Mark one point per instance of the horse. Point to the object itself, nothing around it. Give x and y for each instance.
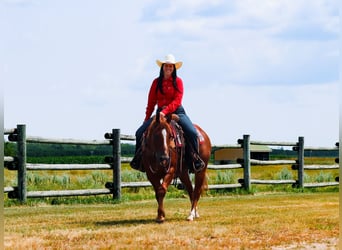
(164, 161)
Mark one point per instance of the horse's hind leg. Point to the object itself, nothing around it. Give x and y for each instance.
(199, 184)
(185, 178)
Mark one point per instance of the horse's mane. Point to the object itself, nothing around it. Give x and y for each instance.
(158, 119)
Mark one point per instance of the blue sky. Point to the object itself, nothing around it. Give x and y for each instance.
(77, 69)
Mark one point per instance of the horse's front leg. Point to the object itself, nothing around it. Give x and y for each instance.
(160, 192)
(185, 179)
(160, 195)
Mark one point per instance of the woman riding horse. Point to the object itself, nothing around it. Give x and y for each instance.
(162, 158)
(167, 93)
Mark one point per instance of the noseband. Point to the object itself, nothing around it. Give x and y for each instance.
(164, 162)
(162, 157)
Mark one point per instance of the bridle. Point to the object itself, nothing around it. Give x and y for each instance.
(170, 143)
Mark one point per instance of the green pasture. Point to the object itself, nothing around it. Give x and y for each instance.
(93, 179)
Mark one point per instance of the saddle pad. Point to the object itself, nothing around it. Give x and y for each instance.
(200, 136)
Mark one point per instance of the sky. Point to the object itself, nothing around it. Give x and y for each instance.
(79, 68)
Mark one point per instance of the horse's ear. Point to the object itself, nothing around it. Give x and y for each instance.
(158, 117)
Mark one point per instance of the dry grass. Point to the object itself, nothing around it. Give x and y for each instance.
(263, 221)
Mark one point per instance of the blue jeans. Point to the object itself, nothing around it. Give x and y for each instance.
(190, 131)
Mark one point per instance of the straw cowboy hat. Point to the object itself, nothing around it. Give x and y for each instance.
(170, 59)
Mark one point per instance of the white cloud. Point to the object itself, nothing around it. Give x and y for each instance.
(269, 113)
(278, 42)
(79, 68)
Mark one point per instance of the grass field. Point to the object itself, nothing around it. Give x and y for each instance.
(81, 179)
(267, 217)
(261, 221)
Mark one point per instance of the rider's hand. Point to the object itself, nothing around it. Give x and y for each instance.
(162, 114)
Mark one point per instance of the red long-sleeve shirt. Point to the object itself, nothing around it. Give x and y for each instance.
(170, 100)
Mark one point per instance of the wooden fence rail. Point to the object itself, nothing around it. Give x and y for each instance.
(19, 163)
(297, 164)
(114, 139)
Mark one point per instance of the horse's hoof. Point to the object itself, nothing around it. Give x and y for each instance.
(160, 219)
(190, 218)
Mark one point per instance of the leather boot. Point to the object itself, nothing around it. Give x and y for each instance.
(136, 162)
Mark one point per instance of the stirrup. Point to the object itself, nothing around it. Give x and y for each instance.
(198, 164)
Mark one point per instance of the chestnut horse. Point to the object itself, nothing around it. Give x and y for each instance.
(164, 161)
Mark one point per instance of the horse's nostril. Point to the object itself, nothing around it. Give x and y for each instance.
(164, 160)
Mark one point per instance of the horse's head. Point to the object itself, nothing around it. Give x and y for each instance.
(159, 141)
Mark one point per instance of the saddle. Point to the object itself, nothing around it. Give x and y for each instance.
(186, 153)
(178, 134)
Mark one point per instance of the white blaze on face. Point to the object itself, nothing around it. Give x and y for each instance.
(164, 133)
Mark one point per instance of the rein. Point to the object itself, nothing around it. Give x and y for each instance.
(175, 146)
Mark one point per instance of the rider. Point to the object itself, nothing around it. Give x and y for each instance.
(167, 93)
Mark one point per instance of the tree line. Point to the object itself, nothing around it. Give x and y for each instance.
(45, 150)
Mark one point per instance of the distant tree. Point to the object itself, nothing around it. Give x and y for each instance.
(10, 149)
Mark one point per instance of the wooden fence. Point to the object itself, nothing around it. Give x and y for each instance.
(114, 139)
(20, 164)
(297, 164)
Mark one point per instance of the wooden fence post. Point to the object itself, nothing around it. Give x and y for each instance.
(246, 162)
(21, 154)
(301, 162)
(116, 164)
(337, 160)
